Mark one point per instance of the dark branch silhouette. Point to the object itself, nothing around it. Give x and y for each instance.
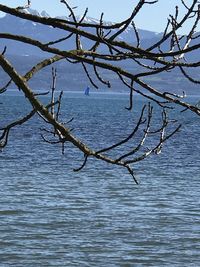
(166, 55)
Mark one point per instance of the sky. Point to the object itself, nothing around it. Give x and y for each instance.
(152, 17)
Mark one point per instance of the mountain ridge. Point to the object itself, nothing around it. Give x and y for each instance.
(71, 76)
(43, 33)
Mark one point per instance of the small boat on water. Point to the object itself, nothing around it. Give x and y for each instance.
(87, 91)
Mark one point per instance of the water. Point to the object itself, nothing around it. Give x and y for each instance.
(51, 216)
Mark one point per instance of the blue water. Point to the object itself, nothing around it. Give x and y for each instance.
(51, 216)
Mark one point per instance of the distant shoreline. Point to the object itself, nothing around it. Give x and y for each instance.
(93, 92)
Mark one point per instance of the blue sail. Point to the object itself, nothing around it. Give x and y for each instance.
(87, 91)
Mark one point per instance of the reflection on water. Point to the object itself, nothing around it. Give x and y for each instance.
(50, 216)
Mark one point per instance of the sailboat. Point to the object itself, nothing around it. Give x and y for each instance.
(87, 91)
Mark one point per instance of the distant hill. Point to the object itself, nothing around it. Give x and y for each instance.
(72, 77)
(14, 25)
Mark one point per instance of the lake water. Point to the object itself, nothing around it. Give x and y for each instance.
(51, 216)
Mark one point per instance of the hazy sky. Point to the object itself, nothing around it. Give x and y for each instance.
(152, 18)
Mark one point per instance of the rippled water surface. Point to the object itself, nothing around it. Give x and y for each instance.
(51, 216)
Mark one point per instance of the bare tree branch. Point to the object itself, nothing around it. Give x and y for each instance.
(106, 52)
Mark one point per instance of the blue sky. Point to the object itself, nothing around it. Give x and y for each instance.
(151, 18)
